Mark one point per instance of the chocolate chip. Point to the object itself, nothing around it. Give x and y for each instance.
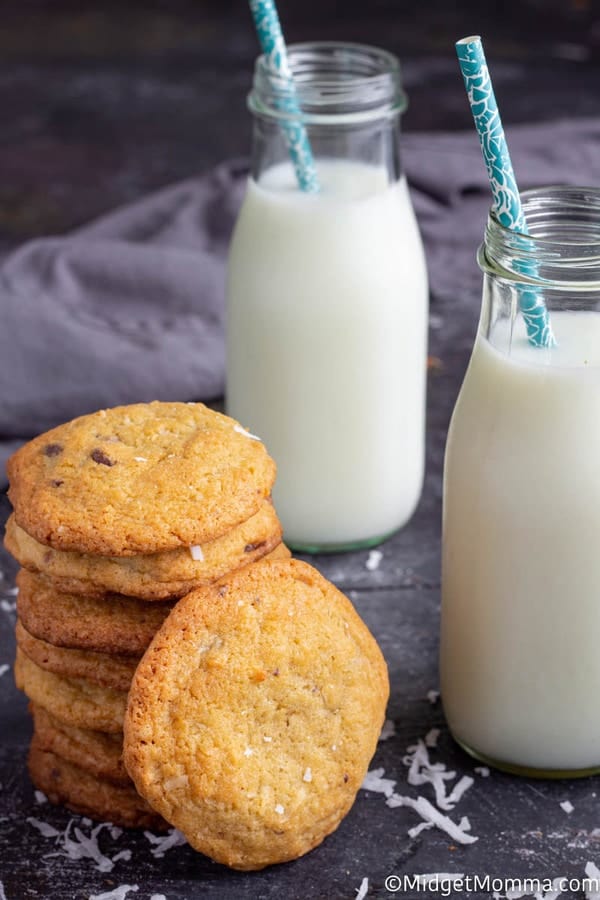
(57, 482)
(250, 548)
(275, 671)
(53, 449)
(345, 779)
(101, 458)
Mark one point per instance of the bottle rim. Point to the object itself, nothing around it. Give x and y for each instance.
(335, 83)
(562, 246)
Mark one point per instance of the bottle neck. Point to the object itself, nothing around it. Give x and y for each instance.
(350, 97)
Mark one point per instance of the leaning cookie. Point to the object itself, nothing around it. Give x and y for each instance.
(139, 479)
(254, 714)
(154, 576)
(67, 784)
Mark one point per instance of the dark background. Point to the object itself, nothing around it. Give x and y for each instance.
(102, 101)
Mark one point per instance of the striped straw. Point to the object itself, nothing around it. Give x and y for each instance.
(270, 36)
(507, 200)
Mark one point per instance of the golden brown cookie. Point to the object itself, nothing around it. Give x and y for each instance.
(95, 752)
(254, 713)
(156, 576)
(67, 784)
(74, 701)
(101, 668)
(139, 479)
(109, 624)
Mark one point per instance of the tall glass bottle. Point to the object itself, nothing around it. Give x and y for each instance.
(327, 303)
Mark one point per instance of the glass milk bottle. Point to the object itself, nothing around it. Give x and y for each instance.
(327, 303)
(520, 664)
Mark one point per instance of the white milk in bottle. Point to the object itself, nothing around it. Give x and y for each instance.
(520, 665)
(327, 310)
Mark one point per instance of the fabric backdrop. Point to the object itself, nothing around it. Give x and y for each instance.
(130, 307)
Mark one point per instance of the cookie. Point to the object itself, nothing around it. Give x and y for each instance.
(101, 668)
(67, 784)
(109, 624)
(254, 713)
(155, 576)
(74, 701)
(139, 479)
(95, 752)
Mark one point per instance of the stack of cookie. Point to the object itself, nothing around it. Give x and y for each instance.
(116, 516)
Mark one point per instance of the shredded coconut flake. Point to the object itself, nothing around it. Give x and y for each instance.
(177, 781)
(431, 738)
(248, 751)
(119, 893)
(44, 828)
(373, 560)
(140, 459)
(593, 872)
(158, 897)
(417, 829)
(433, 697)
(429, 813)
(267, 740)
(307, 774)
(388, 730)
(196, 552)
(279, 809)
(247, 434)
(567, 806)
(4, 669)
(164, 842)
(483, 771)
(40, 797)
(2, 894)
(75, 845)
(13, 591)
(8, 606)
(363, 890)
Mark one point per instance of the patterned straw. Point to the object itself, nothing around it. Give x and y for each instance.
(266, 20)
(507, 201)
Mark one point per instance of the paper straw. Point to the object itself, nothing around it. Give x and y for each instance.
(507, 201)
(270, 36)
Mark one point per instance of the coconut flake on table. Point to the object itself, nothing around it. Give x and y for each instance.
(433, 697)
(431, 738)
(13, 591)
(119, 893)
(44, 828)
(158, 897)
(8, 606)
(593, 873)
(567, 806)
(373, 560)
(248, 434)
(73, 844)
(4, 669)
(2, 894)
(363, 890)
(388, 730)
(482, 770)
(164, 842)
(196, 553)
(40, 797)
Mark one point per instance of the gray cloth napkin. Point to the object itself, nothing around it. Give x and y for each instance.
(130, 308)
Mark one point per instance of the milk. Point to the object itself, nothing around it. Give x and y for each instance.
(520, 656)
(327, 312)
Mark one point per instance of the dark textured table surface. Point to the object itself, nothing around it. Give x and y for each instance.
(102, 102)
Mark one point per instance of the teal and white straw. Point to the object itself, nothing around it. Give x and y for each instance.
(270, 36)
(507, 200)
